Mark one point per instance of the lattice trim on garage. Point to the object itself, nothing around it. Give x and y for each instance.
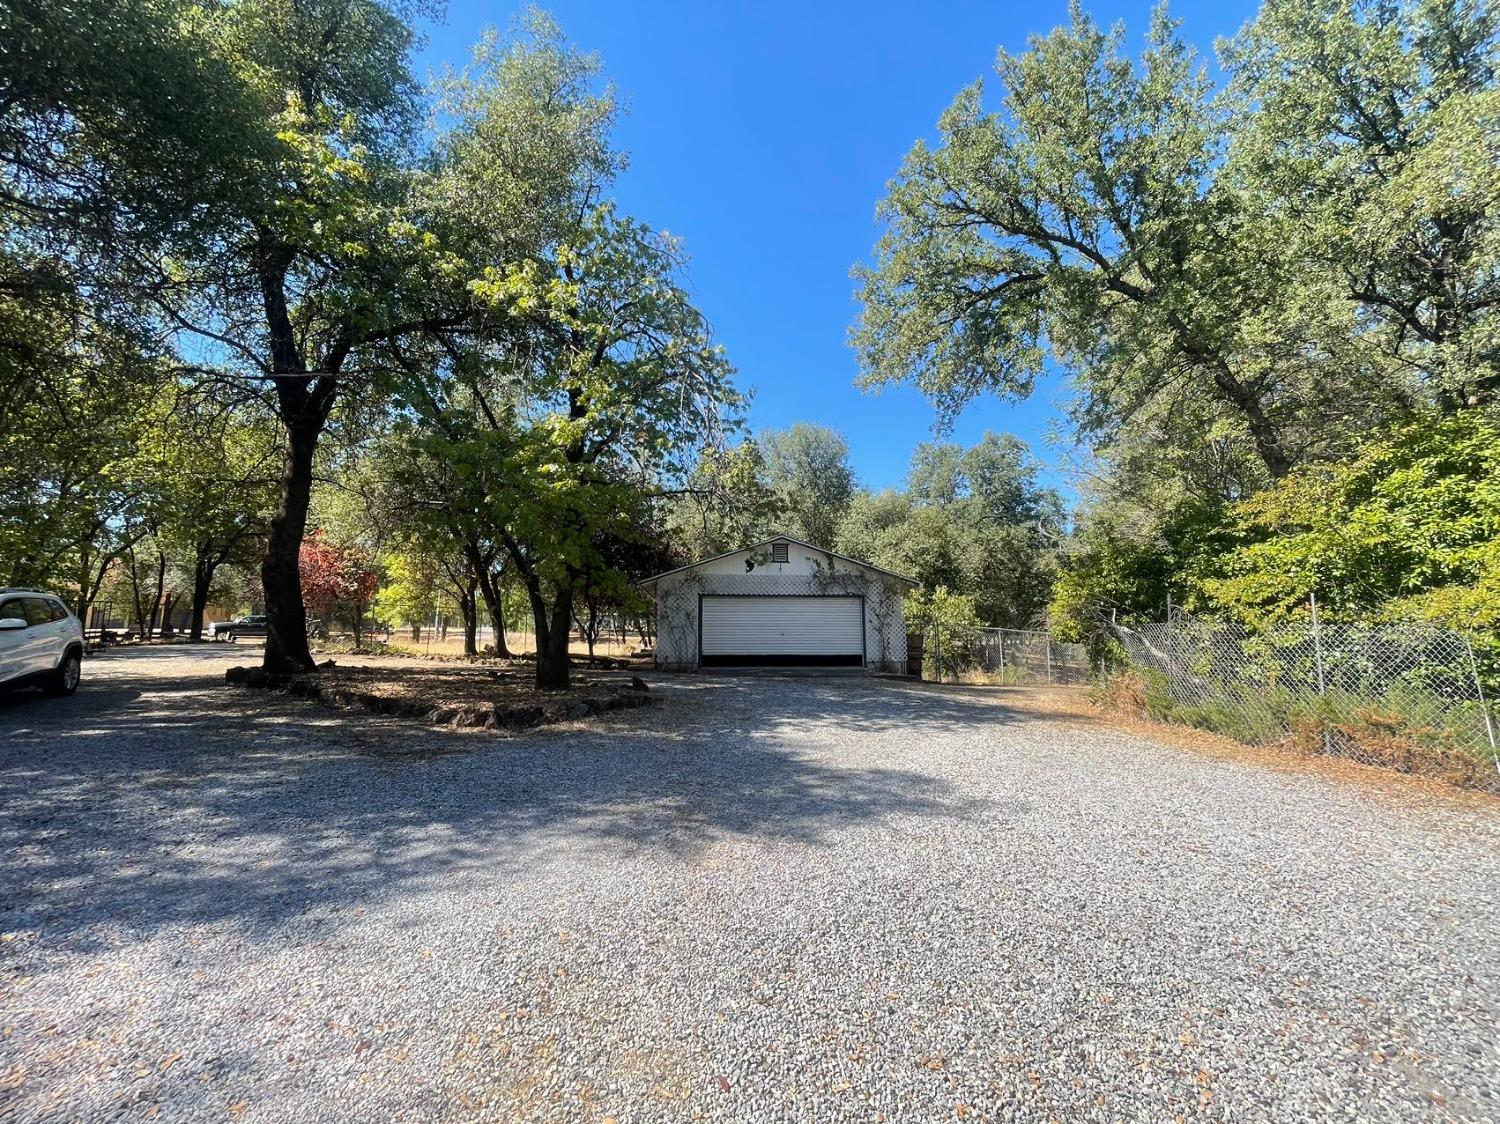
(677, 608)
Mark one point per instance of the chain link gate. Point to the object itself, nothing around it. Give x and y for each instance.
(1002, 656)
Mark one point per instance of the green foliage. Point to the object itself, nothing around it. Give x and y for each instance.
(531, 131)
(72, 487)
(1377, 125)
(410, 590)
(891, 530)
(125, 128)
(587, 383)
(948, 622)
(726, 502)
(1126, 565)
(807, 467)
(1245, 283)
(213, 474)
(1081, 218)
(1417, 513)
(973, 520)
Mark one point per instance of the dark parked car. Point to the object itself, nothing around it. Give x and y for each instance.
(254, 625)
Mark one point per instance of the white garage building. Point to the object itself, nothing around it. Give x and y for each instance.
(780, 603)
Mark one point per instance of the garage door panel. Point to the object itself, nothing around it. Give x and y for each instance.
(783, 626)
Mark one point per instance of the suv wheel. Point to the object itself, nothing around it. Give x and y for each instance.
(65, 678)
(229, 636)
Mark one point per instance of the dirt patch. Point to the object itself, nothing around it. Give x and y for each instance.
(414, 651)
(445, 695)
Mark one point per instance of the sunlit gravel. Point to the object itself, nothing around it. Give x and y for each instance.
(764, 899)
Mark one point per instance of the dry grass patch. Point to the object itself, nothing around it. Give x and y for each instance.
(1123, 706)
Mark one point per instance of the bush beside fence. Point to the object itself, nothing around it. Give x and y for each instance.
(1405, 696)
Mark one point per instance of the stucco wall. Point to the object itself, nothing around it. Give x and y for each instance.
(805, 572)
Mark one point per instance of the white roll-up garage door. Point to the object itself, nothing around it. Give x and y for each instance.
(783, 630)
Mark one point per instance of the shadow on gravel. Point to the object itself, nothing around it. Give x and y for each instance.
(151, 802)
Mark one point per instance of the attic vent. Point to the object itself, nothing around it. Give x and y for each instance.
(778, 552)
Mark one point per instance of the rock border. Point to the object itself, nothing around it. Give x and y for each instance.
(496, 716)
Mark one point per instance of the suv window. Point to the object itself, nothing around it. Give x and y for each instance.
(59, 610)
(13, 609)
(37, 611)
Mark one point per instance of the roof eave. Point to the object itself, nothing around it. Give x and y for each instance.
(656, 578)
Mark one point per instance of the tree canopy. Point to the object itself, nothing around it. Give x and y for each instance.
(261, 288)
(1247, 281)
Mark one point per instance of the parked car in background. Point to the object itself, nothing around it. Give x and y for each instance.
(41, 642)
(254, 625)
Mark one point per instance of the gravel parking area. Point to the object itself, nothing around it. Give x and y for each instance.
(766, 899)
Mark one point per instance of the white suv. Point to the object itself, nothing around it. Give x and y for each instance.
(41, 642)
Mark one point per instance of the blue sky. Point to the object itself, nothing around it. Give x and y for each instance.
(763, 134)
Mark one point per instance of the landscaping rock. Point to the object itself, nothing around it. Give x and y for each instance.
(247, 677)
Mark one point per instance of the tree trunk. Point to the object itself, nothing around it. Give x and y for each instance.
(468, 608)
(1263, 432)
(552, 660)
(281, 581)
(494, 603)
(168, 604)
(153, 625)
(492, 592)
(204, 565)
(588, 625)
(92, 581)
(137, 601)
(497, 622)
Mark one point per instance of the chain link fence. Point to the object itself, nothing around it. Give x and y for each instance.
(1406, 696)
(1008, 656)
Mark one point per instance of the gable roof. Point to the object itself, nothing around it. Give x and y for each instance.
(767, 542)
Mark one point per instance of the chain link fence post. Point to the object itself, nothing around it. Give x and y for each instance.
(1484, 706)
(1171, 669)
(1317, 635)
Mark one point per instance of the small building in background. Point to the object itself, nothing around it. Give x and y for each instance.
(780, 603)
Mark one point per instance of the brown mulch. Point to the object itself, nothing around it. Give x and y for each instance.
(447, 685)
(438, 694)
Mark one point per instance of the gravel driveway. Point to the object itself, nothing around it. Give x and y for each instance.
(766, 899)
